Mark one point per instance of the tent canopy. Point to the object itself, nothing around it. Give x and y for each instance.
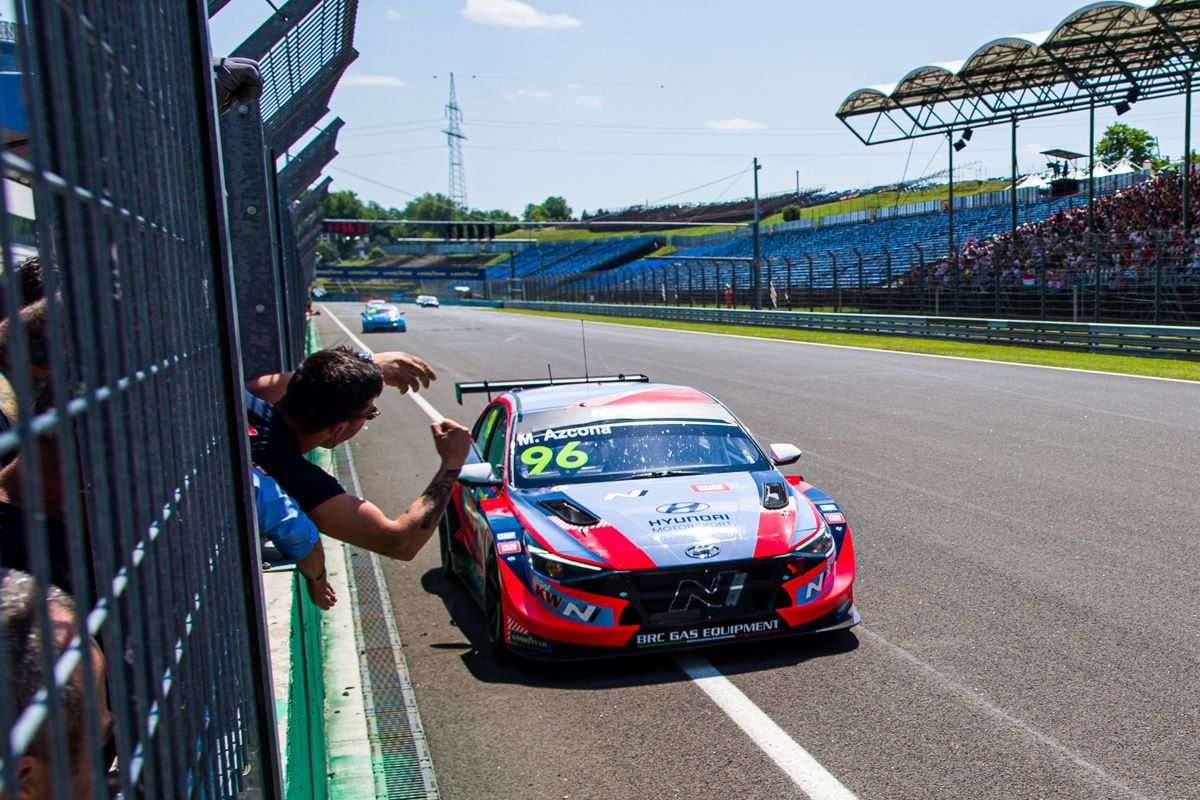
(1112, 52)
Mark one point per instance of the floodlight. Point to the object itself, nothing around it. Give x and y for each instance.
(959, 146)
(967, 134)
(1121, 108)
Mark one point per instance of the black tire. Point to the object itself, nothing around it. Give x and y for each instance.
(493, 611)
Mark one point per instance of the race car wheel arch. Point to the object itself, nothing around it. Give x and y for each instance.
(493, 609)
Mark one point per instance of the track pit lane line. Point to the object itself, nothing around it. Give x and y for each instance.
(973, 699)
(804, 770)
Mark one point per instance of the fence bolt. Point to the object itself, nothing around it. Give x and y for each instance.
(251, 210)
(260, 308)
(243, 109)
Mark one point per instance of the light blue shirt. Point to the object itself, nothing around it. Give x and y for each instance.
(280, 520)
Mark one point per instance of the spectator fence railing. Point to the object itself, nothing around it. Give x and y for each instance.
(161, 234)
(1156, 281)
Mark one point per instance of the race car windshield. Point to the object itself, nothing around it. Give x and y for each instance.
(632, 449)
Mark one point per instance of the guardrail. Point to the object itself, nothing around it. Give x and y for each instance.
(1157, 341)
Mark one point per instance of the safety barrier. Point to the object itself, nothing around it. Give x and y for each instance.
(1127, 340)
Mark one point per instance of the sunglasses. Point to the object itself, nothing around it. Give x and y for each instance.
(370, 415)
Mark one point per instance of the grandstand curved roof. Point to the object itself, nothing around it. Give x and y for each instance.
(1106, 52)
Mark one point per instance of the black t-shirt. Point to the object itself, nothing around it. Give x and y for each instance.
(14, 555)
(275, 449)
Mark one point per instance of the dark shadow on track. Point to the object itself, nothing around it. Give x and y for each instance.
(621, 671)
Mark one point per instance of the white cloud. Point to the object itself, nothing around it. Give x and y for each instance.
(515, 14)
(588, 101)
(389, 81)
(736, 124)
(393, 14)
(530, 94)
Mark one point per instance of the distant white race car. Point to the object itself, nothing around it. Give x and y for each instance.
(427, 300)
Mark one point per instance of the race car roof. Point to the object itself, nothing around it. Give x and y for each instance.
(598, 395)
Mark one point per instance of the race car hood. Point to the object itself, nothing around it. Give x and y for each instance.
(667, 522)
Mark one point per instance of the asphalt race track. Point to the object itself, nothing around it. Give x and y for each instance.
(1027, 574)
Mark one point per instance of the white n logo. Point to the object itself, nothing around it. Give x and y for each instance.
(816, 586)
(722, 591)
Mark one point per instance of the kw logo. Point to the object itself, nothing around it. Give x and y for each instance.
(568, 608)
(722, 591)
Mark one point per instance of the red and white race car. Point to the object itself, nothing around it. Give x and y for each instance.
(603, 516)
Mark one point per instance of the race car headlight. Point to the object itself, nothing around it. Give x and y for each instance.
(820, 544)
(555, 566)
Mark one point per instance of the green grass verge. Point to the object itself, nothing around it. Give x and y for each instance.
(1126, 365)
(885, 199)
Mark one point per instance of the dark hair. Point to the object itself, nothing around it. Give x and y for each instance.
(331, 386)
(23, 640)
(30, 272)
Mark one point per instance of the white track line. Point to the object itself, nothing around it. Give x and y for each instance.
(804, 770)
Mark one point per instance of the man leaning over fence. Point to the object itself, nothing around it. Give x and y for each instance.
(326, 402)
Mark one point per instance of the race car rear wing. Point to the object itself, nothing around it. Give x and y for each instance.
(538, 383)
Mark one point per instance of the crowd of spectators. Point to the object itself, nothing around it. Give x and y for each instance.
(1135, 232)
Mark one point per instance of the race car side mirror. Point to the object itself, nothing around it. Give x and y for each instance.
(784, 454)
(480, 474)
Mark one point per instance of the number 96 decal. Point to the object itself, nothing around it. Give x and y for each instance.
(567, 457)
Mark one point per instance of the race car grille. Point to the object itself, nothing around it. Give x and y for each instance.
(691, 594)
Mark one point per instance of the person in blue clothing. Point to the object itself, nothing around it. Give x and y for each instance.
(281, 522)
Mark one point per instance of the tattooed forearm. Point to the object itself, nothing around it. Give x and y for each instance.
(436, 497)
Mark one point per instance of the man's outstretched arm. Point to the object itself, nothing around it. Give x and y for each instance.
(363, 524)
(401, 370)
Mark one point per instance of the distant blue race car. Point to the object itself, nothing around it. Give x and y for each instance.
(383, 317)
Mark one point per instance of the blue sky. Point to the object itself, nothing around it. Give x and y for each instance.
(617, 103)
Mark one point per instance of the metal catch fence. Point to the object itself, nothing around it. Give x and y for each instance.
(1154, 278)
(125, 210)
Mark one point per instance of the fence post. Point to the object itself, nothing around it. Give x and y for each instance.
(921, 277)
(810, 282)
(255, 244)
(1158, 276)
(858, 255)
(888, 287)
(1041, 281)
(837, 289)
(787, 293)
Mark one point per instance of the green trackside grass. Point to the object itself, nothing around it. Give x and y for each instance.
(1126, 365)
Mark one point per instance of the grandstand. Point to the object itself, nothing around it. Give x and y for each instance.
(885, 247)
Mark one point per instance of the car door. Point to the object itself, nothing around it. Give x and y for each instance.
(489, 436)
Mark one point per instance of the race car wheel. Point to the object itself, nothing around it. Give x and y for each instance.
(493, 608)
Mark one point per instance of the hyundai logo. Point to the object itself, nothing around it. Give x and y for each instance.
(702, 550)
(682, 508)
